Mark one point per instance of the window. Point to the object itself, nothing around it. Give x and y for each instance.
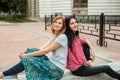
(76, 3)
(80, 3)
(84, 3)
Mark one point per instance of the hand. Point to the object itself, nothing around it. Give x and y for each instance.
(22, 55)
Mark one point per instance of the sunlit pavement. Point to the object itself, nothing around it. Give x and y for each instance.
(16, 38)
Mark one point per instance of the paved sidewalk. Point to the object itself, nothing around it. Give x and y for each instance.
(16, 38)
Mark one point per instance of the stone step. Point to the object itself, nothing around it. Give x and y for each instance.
(12, 77)
(101, 76)
(68, 76)
(21, 76)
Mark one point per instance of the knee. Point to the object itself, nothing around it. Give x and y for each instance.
(26, 59)
(107, 67)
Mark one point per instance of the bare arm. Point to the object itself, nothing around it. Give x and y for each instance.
(89, 44)
(51, 47)
(44, 46)
(92, 55)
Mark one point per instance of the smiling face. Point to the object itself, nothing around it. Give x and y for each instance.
(73, 25)
(57, 25)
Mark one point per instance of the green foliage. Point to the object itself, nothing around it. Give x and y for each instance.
(13, 8)
(10, 16)
(17, 20)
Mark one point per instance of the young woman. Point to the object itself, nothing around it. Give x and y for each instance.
(80, 63)
(36, 65)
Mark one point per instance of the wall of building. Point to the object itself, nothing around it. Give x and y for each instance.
(33, 9)
(38, 8)
(45, 7)
(79, 10)
(49, 7)
(108, 7)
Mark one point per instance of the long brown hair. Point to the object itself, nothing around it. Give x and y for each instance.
(63, 29)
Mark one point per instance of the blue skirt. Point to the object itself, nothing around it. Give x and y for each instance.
(40, 67)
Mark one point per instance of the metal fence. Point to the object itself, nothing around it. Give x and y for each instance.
(102, 26)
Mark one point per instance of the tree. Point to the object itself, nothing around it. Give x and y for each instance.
(13, 8)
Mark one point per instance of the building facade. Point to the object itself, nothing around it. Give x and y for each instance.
(108, 7)
(33, 9)
(80, 7)
(49, 7)
(38, 8)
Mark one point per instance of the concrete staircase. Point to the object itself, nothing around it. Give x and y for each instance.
(68, 76)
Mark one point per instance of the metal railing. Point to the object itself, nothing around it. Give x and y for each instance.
(101, 26)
